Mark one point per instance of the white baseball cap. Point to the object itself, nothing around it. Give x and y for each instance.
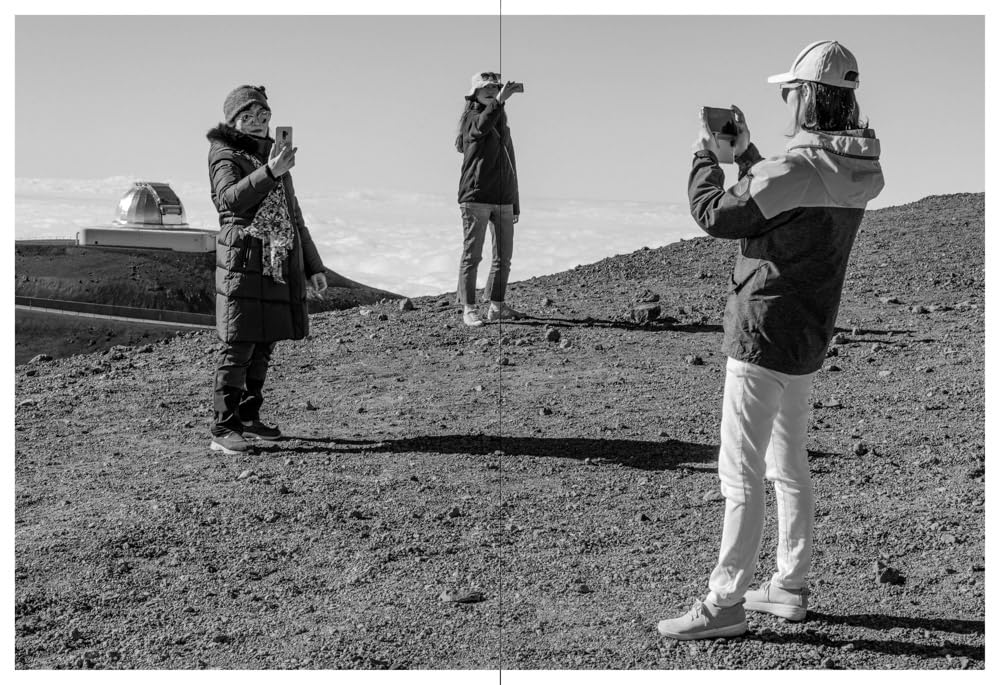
(825, 61)
(484, 78)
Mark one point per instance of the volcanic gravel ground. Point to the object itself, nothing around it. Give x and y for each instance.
(566, 519)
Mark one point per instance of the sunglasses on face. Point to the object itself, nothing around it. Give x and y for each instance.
(786, 89)
(490, 76)
(261, 116)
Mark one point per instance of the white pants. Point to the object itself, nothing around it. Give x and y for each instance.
(765, 415)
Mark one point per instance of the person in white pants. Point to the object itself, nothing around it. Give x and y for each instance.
(796, 217)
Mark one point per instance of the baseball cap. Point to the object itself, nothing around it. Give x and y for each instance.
(484, 78)
(825, 61)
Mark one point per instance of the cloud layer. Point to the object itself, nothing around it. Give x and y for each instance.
(409, 243)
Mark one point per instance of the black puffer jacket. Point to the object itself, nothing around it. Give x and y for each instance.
(251, 307)
(489, 170)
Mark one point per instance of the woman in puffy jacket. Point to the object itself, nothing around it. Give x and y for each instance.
(796, 217)
(487, 194)
(264, 256)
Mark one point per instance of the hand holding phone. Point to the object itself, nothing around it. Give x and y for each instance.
(283, 137)
(721, 124)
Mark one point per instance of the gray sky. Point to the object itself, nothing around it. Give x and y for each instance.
(608, 111)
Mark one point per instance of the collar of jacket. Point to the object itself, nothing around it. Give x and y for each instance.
(230, 137)
(858, 143)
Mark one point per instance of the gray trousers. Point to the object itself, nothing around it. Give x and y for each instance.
(475, 218)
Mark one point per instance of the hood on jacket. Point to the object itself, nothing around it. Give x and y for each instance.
(228, 136)
(820, 169)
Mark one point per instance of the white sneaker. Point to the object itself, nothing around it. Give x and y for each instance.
(472, 318)
(788, 604)
(705, 621)
(504, 311)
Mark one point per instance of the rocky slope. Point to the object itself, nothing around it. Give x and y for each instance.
(562, 485)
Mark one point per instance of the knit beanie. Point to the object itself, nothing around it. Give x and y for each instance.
(240, 99)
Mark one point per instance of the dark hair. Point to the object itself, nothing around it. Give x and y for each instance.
(470, 104)
(828, 108)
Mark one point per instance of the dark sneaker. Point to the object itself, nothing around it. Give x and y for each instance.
(502, 312)
(229, 442)
(258, 431)
(771, 599)
(705, 621)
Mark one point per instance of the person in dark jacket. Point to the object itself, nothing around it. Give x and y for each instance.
(796, 217)
(264, 256)
(487, 194)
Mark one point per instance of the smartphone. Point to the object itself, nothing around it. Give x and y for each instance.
(722, 124)
(283, 137)
(518, 87)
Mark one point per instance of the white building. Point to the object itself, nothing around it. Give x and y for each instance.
(150, 216)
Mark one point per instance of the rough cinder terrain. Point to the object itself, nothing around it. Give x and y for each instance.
(532, 495)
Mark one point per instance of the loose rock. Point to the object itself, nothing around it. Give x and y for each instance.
(553, 335)
(406, 305)
(694, 360)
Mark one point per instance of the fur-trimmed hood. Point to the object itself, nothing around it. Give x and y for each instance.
(228, 136)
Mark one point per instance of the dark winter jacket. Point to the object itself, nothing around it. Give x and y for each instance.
(796, 217)
(489, 170)
(249, 306)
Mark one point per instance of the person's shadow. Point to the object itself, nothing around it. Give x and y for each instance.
(654, 326)
(661, 455)
(888, 646)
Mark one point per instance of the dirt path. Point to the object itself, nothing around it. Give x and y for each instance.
(585, 504)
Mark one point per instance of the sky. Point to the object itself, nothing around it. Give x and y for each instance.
(603, 129)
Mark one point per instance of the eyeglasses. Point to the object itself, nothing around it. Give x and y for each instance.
(261, 116)
(490, 75)
(786, 88)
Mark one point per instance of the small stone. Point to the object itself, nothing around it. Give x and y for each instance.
(27, 403)
(833, 403)
(832, 352)
(221, 638)
(889, 300)
(310, 406)
(406, 305)
(840, 339)
(74, 634)
(272, 517)
(288, 461)
(460, 597)
(383, 317)
(887, 575)
(647, 296)
(948, 539)
(694, 360)
(833, 368)
(478, 388)
(884, 373)
(645, 312)
(356, 514)
(39, 358)
(828, 663)
(582, 588)
(544, 411)
(145, 349)
(546, 302)
(861, 449)
(283, 489)
(919, 309)
(713, 496)
(454, 513)
(503, 361)
(244, 475)
(849, 647)
(553, 335)
(565, 344)
(641, 518)
(599, 347)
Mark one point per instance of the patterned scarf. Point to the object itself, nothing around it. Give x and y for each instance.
(272, 225)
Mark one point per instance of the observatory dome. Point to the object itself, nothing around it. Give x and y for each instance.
(150, 205)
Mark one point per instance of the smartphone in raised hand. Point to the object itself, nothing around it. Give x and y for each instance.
(722, 123)
(283, 137)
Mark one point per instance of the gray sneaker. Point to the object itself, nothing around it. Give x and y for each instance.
(229, 442)
(771, 599)
(472, 318)
(705, 621)
(503, 312)
(256, 429)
